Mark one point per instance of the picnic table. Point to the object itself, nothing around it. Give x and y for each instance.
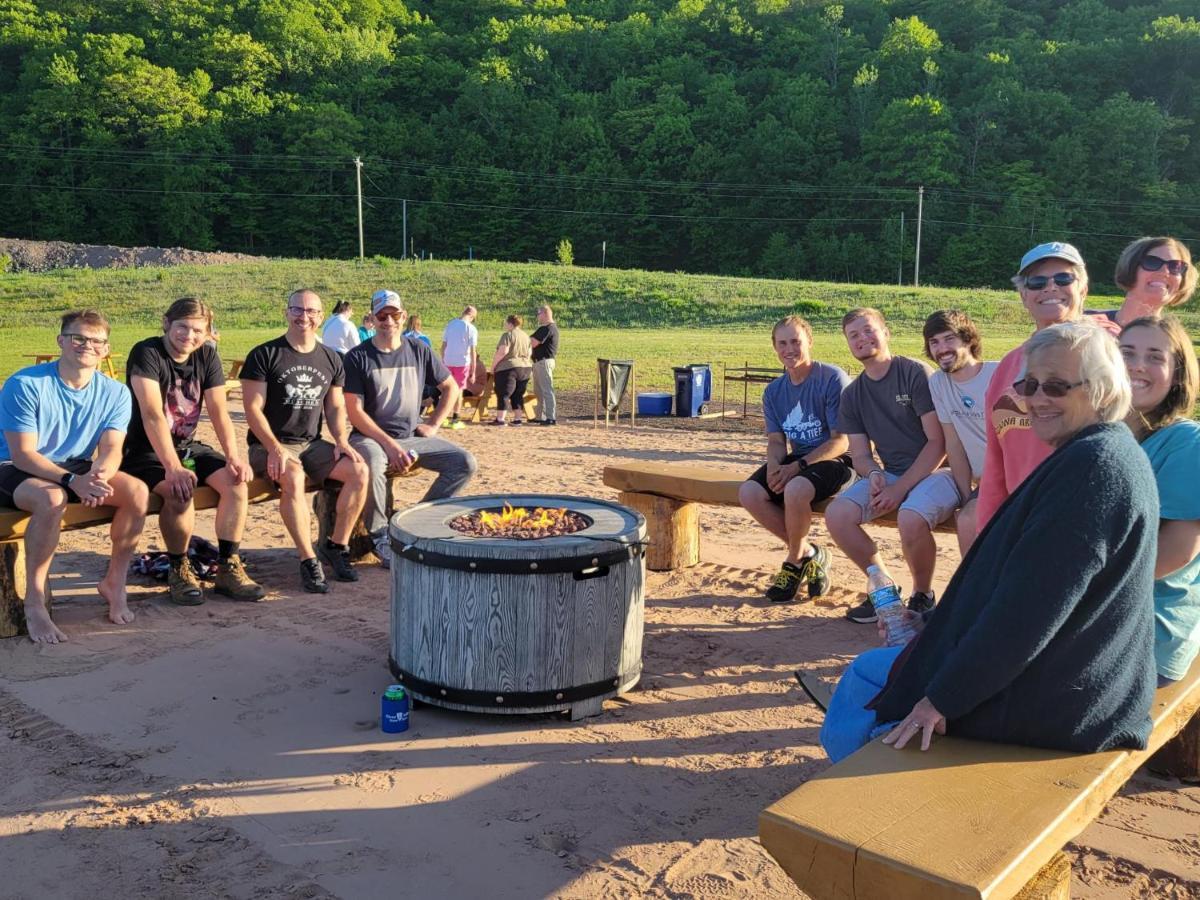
(106, 363)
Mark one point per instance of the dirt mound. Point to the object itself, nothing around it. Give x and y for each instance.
(41, 256)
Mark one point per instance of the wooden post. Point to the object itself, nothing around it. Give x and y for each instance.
(362, 547)
(12, 588)
(672, 528)
(1180, 756)
(1052, 882)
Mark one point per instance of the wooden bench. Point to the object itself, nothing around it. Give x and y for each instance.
(477, 405)
(106, 364)
(669, 495)
(232, 381)
(966, 818)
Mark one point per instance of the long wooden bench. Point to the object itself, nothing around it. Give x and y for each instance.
(669, 495)
(475, 406)
(965, 818)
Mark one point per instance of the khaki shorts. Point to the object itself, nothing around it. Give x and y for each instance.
(316, 458)
(934, 498)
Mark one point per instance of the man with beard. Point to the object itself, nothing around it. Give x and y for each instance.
(958, 388)
(887, 410)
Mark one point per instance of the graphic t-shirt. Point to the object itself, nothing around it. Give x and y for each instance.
(68, 421)
(548, 348)
(393, 382)
(460, 336)
(961, 404)
(888, 411)
(807, 412)
(296, 387)
(1174, 454)
(182, 385)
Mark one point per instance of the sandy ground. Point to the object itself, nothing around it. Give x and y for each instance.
(234, 750)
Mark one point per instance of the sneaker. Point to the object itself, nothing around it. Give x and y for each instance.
(339, 561)
(457, 425)
(312, 576)
(783, 589)
(233, 582)
(863, 614)
(921, 602)
(183, 586)
(383, 549)
(816, 571)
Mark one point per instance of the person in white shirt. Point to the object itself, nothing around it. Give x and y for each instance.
(460, 342)
(958, 388)
(340, 333)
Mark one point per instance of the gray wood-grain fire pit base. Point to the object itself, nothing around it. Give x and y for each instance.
(501, 625)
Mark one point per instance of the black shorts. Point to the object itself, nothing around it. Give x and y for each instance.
(148, 468)
(11, 478)
(828, 477)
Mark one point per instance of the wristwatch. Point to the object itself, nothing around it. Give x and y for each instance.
(67, 478)
(803, 463)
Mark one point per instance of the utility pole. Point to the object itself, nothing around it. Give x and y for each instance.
(920, 216)
(404, 243)
(358, 180)
(603, 252)
(900, 265)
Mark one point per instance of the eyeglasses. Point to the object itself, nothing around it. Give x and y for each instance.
(1051, 387)
(1153, 263)
(301, 311)
(1037, 282)
(385, 314)
(80, 340)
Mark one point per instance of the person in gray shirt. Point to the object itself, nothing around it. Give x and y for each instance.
(897, 446)
(385, 381)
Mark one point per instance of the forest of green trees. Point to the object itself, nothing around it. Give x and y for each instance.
(763, 137)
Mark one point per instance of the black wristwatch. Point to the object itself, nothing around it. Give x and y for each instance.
(803, 463)
(67, 478)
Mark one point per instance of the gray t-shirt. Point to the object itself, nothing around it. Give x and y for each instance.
(807, 412)
(960, 403)
(393, 382)
(888, 412)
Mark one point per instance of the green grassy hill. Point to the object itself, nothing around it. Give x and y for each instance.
(659, 319)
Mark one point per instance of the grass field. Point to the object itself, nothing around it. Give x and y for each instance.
(657, 319)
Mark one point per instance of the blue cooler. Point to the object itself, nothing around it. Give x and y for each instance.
(654, 403)
(689, 391)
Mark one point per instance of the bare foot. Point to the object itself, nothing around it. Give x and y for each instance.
(119, 612)
(41, 629)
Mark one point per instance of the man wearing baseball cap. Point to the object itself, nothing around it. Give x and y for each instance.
(1053, 283)
(386, 378)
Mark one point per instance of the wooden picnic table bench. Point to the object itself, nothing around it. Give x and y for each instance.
(745, 376)
(106, 364)
(486, 399)
(670, 494)
(965, 818)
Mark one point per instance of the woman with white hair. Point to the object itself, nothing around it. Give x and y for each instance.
(1045, 636)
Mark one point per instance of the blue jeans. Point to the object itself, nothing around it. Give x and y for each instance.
(849, 725)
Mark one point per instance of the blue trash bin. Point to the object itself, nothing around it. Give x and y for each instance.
(707, 369)
(689, 391)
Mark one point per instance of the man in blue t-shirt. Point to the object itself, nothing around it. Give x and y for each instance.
(63, 426)
(801, 409)
(386, 379)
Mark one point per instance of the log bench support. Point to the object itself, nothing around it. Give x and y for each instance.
(12, 588)
(672, 528)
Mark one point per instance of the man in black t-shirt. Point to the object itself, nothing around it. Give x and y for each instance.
(171, 376)
(289, 386)
(386, 378)
(545, 349)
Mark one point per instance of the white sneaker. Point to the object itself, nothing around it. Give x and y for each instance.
(383, 549)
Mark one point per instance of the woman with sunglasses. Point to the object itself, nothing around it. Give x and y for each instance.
(1053, 283)
(1156, 273)
(1163, 374)
(1045, 635)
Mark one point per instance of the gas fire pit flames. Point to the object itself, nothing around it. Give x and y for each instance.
(519, 522)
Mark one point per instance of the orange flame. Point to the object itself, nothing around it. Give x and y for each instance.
(519, 517)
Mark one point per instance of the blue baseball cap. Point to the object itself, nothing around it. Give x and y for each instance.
(1052, 250)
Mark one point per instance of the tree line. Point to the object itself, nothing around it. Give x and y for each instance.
(782, 138)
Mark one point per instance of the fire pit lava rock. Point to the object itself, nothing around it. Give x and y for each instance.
(518, 625)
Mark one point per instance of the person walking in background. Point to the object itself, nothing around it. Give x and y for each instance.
(366, 330)
(414, 330)
(1156, 273)
(460, 347)
(512, 367)
(340, 333)
(958, 389)
(545, 348)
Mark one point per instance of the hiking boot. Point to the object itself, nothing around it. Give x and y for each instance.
(816, 571)
(233, 582)
(183, 586)
(312, 576)
(921, 602)
(383, 549)
(783, 589)
(339, 561)
(863, 614)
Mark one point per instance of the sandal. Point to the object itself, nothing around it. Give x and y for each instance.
(818, 691)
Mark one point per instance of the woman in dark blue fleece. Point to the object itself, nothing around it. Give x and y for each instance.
(1045, 636)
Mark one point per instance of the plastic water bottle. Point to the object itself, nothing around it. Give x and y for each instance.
(885, 597)
(394, 717)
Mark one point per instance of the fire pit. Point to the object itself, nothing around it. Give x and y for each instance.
(545, 619)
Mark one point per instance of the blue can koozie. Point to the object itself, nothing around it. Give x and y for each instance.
(395, 709)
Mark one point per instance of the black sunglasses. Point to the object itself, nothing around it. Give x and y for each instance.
(1153, 263)
(1037, 282)
(1053, 387)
